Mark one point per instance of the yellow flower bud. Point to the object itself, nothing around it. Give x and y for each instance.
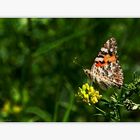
(94, 100)
(87, 86)
(91, 89)
(84, 87)
(83, 92)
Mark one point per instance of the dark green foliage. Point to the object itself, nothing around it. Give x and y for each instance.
(123, 99)
(38, 79)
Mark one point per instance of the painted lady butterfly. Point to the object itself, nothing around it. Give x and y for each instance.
(106, 70)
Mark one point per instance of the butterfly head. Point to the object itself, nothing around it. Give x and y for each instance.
(88, 73)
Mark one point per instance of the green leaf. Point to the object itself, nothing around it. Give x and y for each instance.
(40, 113)
(71, 91)
(44, 49)
(98, 114)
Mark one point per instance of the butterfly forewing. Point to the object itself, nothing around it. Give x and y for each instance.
(106, 70)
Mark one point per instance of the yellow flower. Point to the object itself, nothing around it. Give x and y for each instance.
(16, 109)
(91, 89)
(6, 107)
(94, 99)
(88, 94)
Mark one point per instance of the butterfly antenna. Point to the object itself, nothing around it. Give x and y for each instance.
(76, 61)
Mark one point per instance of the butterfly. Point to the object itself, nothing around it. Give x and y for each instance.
(106, 70)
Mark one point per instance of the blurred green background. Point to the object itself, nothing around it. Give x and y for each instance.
(38, 79)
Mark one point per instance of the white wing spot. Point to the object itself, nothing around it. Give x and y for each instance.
(111, 50)
(99, 59)
(107, 41)
(104, 50)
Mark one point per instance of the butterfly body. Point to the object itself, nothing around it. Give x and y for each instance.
(106, 70)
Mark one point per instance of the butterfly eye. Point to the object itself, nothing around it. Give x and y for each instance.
(87, 72)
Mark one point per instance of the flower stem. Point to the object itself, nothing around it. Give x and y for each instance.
(100, 110)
